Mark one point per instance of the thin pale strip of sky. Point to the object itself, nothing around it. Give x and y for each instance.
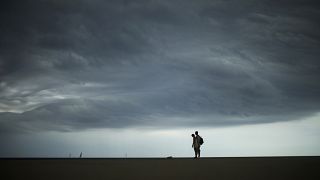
(292, 138)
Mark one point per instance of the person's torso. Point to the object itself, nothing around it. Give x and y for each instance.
(196, 141)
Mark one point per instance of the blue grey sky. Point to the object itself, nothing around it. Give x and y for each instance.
(75, 75)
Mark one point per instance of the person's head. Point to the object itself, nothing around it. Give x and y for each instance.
(196, 132)
(192, 135)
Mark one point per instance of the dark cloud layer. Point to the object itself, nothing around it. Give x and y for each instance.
(91, 64)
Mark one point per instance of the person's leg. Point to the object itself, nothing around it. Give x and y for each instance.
(195, 152)
(199, 152)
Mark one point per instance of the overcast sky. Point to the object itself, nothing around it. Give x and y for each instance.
(146, 67)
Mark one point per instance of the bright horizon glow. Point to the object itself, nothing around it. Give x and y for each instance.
(292, 138)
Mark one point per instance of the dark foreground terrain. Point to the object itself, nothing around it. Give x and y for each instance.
(246, 168)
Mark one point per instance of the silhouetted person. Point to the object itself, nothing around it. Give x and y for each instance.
(196, 146)
(199, 140)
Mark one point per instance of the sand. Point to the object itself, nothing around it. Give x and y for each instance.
(245, 168)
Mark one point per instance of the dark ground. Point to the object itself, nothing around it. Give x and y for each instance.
(233, 168)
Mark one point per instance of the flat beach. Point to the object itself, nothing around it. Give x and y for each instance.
(219, 168)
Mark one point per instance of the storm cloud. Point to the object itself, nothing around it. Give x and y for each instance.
(111, 64)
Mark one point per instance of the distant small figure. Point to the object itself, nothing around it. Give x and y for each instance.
(197, 142)
(195, 145)
(80, 155)
(200, 142)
